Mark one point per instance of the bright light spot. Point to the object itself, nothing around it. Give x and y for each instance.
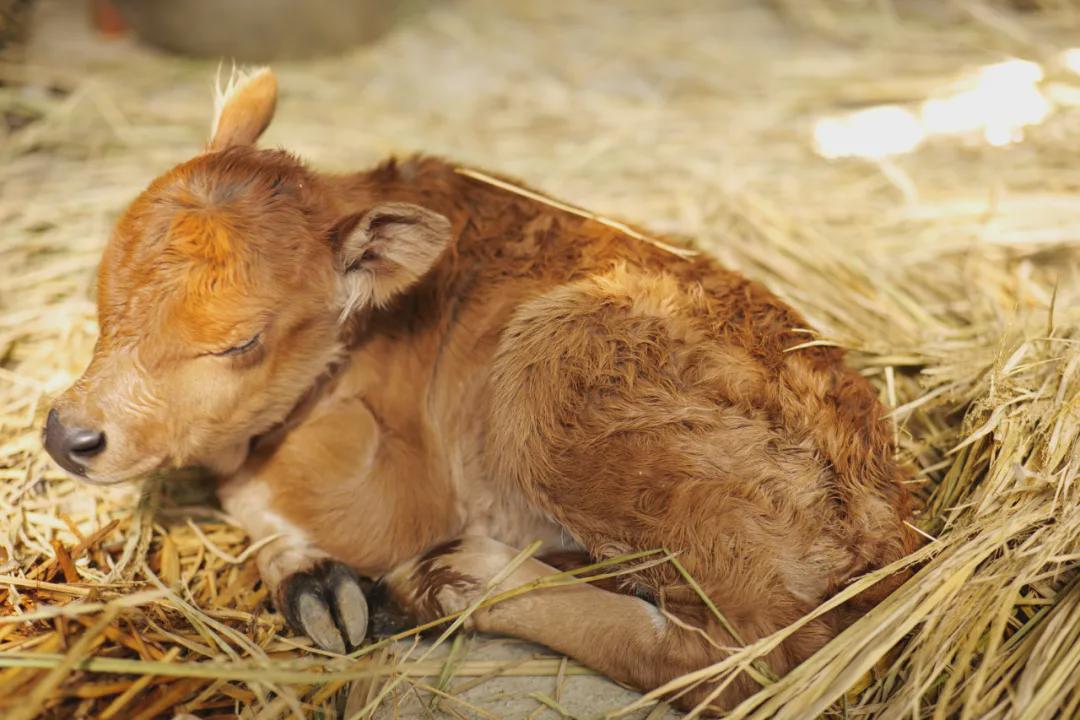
(874, 133)
(1071, 59)
(1002, 100)
(1011, 72)
(996, 104)
(1062, 94)
(1001, 135)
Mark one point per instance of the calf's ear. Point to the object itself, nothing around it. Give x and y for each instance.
(384, 251)
(243, 108)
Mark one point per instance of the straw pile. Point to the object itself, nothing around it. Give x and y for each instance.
(952, 273)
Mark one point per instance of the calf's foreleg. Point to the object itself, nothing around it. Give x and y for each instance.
(319, 596)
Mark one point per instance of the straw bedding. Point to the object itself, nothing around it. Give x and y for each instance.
(952, 273)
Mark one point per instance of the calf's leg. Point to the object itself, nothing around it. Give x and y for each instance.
(310, 491)
(320, 597)
(623, 636)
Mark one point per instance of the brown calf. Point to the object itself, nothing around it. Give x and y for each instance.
(411, 374)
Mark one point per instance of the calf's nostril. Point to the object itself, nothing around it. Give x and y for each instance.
(85, 442)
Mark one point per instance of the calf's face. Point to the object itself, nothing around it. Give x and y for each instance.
(220, 301)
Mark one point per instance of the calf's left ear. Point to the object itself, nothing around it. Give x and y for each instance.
(384, 251)
(243, 108)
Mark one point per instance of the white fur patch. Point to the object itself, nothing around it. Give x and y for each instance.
(355, 290)
(659, 622)
(249, 503)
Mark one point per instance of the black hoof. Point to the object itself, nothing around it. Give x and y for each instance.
(327, 604)
(387, 617)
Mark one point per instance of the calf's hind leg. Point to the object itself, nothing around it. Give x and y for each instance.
(622, 636)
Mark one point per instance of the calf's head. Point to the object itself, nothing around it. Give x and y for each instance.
(221, 296)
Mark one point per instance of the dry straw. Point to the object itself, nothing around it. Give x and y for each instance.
(953, 275)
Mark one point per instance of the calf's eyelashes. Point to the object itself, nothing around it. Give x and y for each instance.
(244, 347)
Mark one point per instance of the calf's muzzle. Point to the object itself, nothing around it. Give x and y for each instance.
(71, 446)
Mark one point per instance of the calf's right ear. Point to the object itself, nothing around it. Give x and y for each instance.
(386, 250)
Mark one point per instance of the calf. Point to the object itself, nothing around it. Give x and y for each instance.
(411, 373)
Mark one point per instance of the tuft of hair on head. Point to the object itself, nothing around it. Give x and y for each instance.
(243, 107)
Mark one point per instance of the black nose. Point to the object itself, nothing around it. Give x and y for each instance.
(71, 447)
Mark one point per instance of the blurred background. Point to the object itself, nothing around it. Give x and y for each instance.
(694, 99)
(903, 171)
